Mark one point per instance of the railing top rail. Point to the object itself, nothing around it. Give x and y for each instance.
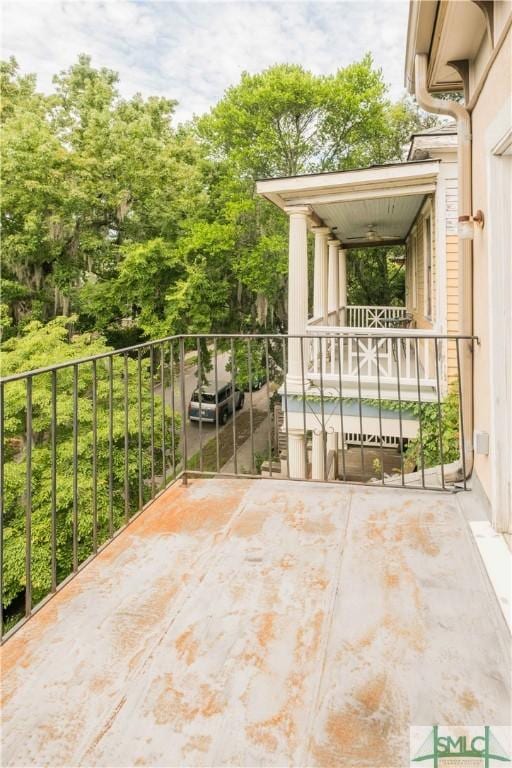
(381, 333)
(82, 360)
(326, 331)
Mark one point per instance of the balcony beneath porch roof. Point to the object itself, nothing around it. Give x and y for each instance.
(262, 623)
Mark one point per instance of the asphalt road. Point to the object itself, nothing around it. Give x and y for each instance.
(194, 434)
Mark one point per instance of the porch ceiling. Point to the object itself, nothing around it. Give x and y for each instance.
(391, 217)
(385, 198)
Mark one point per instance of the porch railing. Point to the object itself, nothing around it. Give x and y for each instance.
(373, 316)
(412, 356)
(88, 443)
(362, 316)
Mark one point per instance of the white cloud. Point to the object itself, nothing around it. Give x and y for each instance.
(192, 51)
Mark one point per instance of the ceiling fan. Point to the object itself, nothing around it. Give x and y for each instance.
(373, 236)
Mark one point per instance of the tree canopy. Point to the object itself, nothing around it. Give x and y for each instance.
(141, 228)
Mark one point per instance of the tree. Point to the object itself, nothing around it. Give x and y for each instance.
(287, 121)
(375, 276)
(121, 487)
(86, 172)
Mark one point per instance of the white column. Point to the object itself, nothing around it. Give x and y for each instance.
(297, 286)
(320, 287)
(343, 281)
(334, 280)
(332, 445)
(296, 454)
(318, 456)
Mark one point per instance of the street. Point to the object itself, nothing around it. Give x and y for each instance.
(200, 435)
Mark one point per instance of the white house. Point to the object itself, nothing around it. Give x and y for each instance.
(395, 355)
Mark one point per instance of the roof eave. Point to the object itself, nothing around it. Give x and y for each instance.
(370, 182)
(420, 29)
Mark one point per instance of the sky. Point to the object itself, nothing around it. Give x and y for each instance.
(192, 51)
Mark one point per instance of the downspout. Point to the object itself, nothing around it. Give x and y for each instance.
(465, 247)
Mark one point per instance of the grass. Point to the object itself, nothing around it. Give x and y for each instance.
(243, 433)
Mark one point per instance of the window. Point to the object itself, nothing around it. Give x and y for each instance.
(427, 250)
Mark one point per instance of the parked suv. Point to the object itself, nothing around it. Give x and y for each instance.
(214, 404)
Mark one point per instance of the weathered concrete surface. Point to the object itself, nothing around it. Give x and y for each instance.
(263, 623)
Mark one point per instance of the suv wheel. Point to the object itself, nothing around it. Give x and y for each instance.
(224, 416)
(241, 402)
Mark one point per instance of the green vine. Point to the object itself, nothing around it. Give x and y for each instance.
(436, 420)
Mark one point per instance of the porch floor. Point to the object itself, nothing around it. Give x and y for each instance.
(262, 623)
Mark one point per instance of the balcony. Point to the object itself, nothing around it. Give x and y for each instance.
(162, 578)
(261, 623)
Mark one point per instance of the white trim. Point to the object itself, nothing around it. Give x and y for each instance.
(414, 267)
(386, 180)
(370, 193)
(496, 558)
(504, 145)
(428, 284)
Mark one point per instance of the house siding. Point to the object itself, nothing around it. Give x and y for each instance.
(491, 119)
(452, 300)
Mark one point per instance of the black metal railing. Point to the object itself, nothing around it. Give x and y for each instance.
(87, 444)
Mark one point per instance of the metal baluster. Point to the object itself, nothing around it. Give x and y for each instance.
(462, 438)
(216, 380)
(304, 423)
(28, 500)
(94, 457)
(251, 420)
(75, 468)
(439, 414)
(419, 412)
(173, 409)
(285, 370)
(152, 417)
(184, 459)
(269, 415)
(233, 402)
(322, 412)
(377, 340)
(340, 387)
(126, 444)
(162, 389)
(53, 507)
(360, 407)
(199, 379)
(2, 416)
(398, 347)
(139, 435)
(110, 447)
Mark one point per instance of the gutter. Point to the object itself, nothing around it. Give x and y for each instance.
(465, 247)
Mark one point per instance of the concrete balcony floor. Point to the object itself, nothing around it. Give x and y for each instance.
(262, 623)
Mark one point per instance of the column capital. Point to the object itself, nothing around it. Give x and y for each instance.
(321, 230)
(301, 210)
(333, 243)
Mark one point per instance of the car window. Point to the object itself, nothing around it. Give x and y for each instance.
(205, 397)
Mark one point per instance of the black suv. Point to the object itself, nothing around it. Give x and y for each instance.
(214, 404)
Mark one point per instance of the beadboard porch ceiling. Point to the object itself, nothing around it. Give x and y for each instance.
(384, 198)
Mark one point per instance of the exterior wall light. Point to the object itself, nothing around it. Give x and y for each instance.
(466, 228)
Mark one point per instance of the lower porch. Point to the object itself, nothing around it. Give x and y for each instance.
(262, 623)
